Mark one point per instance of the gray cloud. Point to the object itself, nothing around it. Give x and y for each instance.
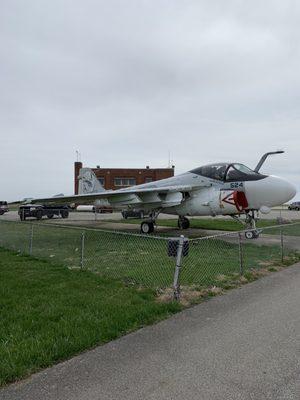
(125, 82)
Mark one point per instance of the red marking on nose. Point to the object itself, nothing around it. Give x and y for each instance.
(237, 199)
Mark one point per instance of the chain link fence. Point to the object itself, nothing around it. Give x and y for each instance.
(153, 261)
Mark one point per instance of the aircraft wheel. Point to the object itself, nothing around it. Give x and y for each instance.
(147, 227)
(50, 216)
(183, 223)
(251, 234)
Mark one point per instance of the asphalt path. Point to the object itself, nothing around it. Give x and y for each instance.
(243, 345)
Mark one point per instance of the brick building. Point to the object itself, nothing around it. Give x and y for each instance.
(117, 178)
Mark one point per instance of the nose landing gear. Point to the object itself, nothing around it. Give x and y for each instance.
(252, 232)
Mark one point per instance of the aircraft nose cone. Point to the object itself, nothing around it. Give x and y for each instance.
(270, 191)
(285, 190)
(290, 190)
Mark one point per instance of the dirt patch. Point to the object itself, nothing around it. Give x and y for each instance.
(195, 294)
(265, 263)
(189, 294)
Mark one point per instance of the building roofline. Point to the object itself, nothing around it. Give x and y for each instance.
(133, 169)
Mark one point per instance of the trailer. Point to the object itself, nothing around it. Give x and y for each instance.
(38, 211)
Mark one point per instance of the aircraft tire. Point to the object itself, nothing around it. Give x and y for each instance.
(252, 234)
(50, 216)
(183, 223)
(147, 227)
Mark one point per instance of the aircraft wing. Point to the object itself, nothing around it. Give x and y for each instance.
(155, 197)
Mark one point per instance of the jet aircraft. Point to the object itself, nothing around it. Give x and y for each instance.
(214, 189)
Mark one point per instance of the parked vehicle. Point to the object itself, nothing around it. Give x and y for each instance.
(3, 207)
(39, 210)
(295, 206)
(134, 214)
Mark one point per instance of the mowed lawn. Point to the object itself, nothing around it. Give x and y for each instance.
(138, 260)
(50, 313)
(52, 309)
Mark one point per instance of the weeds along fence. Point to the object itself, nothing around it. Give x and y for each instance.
(152, 261)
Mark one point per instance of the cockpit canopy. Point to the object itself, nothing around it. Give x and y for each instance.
(228, 172)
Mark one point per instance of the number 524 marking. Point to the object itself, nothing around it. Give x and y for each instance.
(236, 185)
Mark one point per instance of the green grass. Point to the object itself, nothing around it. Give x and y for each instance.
(137, 260)
(209, 258)
(287, 230)
(49, 313)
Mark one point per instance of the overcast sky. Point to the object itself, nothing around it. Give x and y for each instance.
(125, 82)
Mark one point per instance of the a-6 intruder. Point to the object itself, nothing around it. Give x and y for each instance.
(215, 189)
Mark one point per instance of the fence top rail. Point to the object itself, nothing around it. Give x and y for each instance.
(280, 225)
(217, 235)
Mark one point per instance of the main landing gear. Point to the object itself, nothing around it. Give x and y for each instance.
(183, 223)
(148, 226)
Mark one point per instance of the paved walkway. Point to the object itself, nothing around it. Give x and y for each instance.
(243, 345)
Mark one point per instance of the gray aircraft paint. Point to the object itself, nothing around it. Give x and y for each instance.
(187, 194)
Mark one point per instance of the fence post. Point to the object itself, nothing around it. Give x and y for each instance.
(31, 240)
(82, 250)
(281, 245)
(241, 260)
(176, 283)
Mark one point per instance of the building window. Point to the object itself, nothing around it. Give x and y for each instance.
(125, 181)
(148, 179)
(101, 180)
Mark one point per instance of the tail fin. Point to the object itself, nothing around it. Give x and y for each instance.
(88, 182)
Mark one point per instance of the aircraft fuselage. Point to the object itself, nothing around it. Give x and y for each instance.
(223, 194)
